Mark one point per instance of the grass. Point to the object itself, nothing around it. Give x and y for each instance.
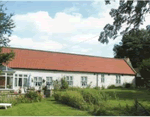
(48, 107)
(116, 106)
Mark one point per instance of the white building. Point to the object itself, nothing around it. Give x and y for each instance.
(37, 68)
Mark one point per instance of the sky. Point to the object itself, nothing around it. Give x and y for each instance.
(62, 26)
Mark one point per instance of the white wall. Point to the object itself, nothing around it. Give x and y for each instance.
(109, 79)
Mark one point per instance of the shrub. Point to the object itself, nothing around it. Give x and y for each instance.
(89, 85)
(33, 96)
(56, 85)
(111, 87)
(128, 85)
(97, 88)
(102, 87)
(64, 84)
(71, 98)
(90, 97)
(74, 88)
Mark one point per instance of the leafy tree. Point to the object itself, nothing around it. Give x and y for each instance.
(135, 45)
(6, 26)
(130, 12)
(145, 68)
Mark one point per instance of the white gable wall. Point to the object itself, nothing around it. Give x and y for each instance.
(91, 77)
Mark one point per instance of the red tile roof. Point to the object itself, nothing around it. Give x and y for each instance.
(45, 60)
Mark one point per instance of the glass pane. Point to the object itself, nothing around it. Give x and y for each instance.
(82, 78)
(20, 82)
(15, 81)
(67, 77)
(51, 79)
(25, 75)
(85, 78)
(71, 83)
(25, 82)
(35, 79)
(71, 78)
(39, 83)
(40, 79)
(47, 79)
(20, 75)
(15, 75)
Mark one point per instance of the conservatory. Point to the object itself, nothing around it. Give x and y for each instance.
(6, 78)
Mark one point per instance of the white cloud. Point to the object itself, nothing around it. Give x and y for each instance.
(68, 26)
(61, 23)
(29, 43)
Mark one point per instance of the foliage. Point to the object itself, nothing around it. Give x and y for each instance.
(145, 68)
(71, 98)
(56, 85)
(129, 12)
(6, 26)
(102, 87)
(97, 88)
(111, 87)
(134, 45)
(89, 85)
(128, 85)
(33, 96)
(64, 83)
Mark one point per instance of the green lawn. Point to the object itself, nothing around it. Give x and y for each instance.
(47, 107)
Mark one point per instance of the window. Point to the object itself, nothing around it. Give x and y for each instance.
(49, 81)
(37, 81)
(102, 78)
(69, 80)
(118, 79)
(21, 80)
(16, 82)
(83, 81)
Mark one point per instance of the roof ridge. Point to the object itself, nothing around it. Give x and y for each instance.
(64, 53)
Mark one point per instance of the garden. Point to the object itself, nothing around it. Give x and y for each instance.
(74, 101)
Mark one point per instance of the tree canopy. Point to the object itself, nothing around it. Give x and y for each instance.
(135, 45)
(130, 12)
(6, 26)
(144, 68)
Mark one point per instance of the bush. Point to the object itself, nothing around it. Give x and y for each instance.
(90, 97)
(128, 85)
(74, 88)
(111, 87)
(64, 84)
(33, 96)
(97, 88)
(71, 98)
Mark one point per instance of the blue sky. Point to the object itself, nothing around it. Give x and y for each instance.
(71, 27)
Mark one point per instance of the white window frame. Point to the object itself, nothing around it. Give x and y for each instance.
(118, 79)
(37, 82)
(69, 79)
(23, 76)
(84, 80)
(102, 78)
(50, 81)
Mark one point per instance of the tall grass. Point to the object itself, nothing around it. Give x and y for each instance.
(96, 101)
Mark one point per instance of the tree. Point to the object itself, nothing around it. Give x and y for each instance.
(145, 68)
(135, 45)
(130, 12)
(6, 26)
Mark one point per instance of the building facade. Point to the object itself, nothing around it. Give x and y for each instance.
(33, 68)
